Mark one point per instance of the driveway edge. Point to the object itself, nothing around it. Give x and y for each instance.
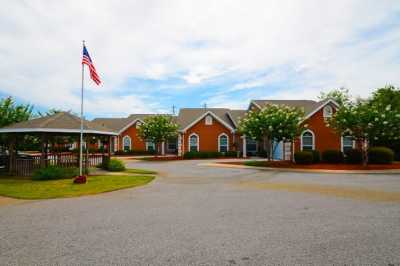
(324, 171)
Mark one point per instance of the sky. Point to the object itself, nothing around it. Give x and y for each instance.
(152, 55)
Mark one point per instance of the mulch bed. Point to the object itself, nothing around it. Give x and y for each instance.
(324, 166)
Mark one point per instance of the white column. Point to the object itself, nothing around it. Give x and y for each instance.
(163, 148)
(179, 145)
(244, 149)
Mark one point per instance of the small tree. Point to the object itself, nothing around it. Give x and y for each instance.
(366, 122)
(274, 123)
(340, 96)
(10, 113)
(158, 129)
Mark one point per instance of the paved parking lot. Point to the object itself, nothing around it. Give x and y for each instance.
(197, 215)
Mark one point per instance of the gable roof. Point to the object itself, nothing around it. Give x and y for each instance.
(189, 116)
(236, 115)
(62, 122)
(307, 105)
(121, 124)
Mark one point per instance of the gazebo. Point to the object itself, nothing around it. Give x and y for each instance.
(61, 124)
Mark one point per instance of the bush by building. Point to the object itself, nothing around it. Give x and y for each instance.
(380, 155)
(303, 157)
(332, 156)
(353, 156)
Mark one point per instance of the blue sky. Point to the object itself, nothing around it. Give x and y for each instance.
(152, 54)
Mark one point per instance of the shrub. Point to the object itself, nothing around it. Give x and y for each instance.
(303, 157)
(135, 152)
(353, 156)
(208, 154)
(231, 154)
(316, 156)
(380, 155)
(332, 156)
(262, 153)
(115, 165)
(54, 173)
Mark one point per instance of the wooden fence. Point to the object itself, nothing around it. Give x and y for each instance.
(26, 165)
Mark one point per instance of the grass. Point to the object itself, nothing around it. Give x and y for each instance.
(29, 189)
(140, 171)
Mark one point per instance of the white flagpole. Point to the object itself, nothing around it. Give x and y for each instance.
(81, 135)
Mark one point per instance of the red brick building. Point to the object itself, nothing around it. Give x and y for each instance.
(215, 129)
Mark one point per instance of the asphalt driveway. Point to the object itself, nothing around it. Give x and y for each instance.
(198, 215)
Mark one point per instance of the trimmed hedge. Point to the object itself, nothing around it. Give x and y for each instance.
(303, 157)
(353, 156)
(54, 173)
(135, 152)
(380, 155)
(208, 154)
(115, 165)
(332, 156)
(316, 156)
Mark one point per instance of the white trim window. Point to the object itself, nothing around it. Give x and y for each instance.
(193, 142)
(223, 143)
(150, 146)
(328, 111)
(347, 143)
(209, 120)
(307, 140)
(126, 143)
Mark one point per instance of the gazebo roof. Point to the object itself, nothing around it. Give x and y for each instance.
(62, 122)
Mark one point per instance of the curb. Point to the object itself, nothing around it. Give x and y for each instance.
(322, 171)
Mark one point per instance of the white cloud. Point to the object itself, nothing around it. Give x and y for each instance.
(320, 42)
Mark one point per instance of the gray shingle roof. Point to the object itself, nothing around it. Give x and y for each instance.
(188, 115)
(59, 122)
(117, 124)
(307, 105)
(237, 115)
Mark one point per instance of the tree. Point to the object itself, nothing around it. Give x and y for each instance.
(386, 101)
(158, 129)
(366, 122)
(273, 123)
(10, 113)
(340, 96)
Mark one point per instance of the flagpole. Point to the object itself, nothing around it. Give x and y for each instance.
(81, 133)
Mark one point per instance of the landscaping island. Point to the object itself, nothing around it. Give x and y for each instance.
(316, 166)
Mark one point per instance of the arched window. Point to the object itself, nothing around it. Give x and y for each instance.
(223, 144)
(194, 142)
(307, 141)
(328, 111)
(126, 141)
(209, 120)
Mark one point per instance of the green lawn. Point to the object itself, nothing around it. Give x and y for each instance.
(28, 189)
(140, 171)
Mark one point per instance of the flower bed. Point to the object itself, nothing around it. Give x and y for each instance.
(322, 166)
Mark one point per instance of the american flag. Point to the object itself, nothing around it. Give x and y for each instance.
(87, 61)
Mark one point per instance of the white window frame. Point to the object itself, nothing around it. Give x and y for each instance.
(219, 142)
(123, 142)
(198, 141)
(327, 111)
(342, 143)
(313, 139)
(208, 120)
